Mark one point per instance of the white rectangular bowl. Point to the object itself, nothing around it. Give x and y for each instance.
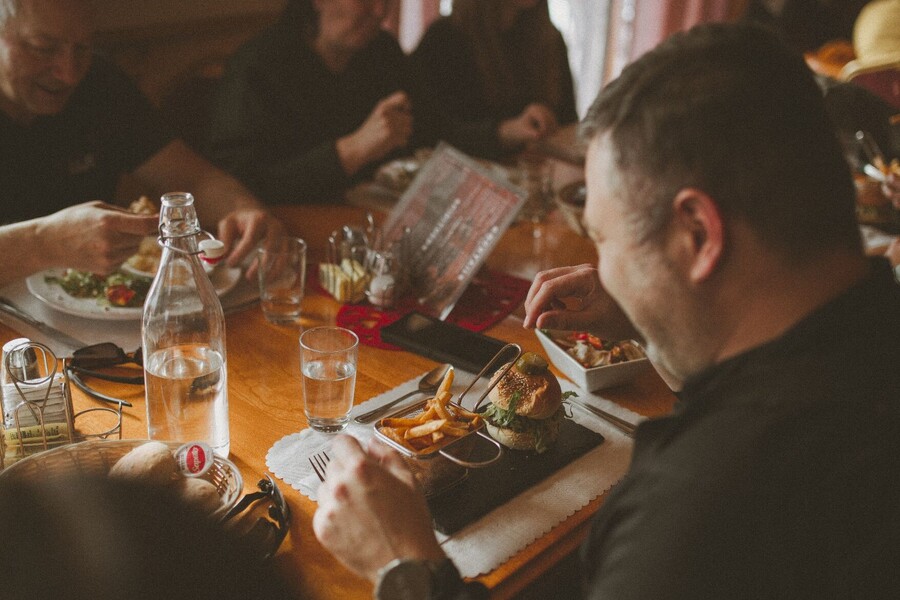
(595, 378)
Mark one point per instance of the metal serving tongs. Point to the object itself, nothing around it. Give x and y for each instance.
(496, 379)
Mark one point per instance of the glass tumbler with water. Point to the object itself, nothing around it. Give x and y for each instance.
(183, 331)
(328, 358)
(282, 273)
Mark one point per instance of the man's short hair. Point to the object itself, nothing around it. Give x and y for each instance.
(732, 111)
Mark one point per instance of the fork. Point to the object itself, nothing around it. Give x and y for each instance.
(319, 462)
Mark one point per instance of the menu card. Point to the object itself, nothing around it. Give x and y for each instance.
(453, 213)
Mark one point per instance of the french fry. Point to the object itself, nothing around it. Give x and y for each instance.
(431, 448)
(424, 429)
(397, 436)
(446, 383)
(402, 422)
(454, 431)
(440, 406)
(461, 412)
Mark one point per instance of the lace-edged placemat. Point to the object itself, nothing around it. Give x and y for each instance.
(489, 542)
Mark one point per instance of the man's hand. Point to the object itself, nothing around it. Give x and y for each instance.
(388, 126)
(93, 236)
(241, 230)
(370, 509)
(535, 122)
(573, 298)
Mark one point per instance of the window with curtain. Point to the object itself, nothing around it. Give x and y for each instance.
(602, 36)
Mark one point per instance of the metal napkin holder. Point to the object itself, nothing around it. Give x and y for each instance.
(37, 404)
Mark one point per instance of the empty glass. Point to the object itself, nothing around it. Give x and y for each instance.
(282, 277)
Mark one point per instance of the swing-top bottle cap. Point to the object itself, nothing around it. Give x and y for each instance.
(212, 250)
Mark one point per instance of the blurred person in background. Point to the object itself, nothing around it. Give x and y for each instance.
(101, 539)
(807, 26)
(496, 74)
(314, 103)
(71, 125)
(722, 211)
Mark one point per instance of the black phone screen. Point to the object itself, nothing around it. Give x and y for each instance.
(443, 342)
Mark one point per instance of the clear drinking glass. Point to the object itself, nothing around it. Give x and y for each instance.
(282, 277)
(535, 175)
(328, 358)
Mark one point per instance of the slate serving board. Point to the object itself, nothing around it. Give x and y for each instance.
(487, 488)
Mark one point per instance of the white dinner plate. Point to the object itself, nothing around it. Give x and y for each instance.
(223, 280)
(126, 268)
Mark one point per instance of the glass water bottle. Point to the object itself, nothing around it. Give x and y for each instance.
(183, 334)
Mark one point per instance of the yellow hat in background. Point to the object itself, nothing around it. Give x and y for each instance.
(876, 36)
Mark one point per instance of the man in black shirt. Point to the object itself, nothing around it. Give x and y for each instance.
(723, 215)
(313, 103)
(70, 126)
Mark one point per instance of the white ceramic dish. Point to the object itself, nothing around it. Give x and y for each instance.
(590, 379)
(223, 280)
(126, 268)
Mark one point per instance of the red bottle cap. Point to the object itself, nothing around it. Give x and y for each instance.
(194, 459)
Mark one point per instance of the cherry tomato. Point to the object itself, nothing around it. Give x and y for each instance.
(119, 295)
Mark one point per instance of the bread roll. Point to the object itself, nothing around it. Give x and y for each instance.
(151, 463)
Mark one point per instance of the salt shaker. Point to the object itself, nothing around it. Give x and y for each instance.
(384, 286)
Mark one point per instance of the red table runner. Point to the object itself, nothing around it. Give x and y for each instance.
(490, 297)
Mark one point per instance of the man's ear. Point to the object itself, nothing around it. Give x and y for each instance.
(699, 231)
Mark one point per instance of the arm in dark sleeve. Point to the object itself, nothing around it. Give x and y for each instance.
(244, 140)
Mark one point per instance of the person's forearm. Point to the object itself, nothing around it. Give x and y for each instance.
(22, 250)
(179, 168)
(217, 194)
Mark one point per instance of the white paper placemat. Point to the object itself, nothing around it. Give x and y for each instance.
(489, 542)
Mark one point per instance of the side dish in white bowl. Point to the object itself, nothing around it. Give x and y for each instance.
(592, 363)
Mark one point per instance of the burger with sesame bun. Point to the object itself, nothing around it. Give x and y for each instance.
(526, 405)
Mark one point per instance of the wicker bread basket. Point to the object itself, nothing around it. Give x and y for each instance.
(97, 457)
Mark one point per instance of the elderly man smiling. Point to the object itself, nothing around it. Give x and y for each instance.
(70, 126)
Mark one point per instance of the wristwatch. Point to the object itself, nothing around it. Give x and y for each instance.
(410, 579)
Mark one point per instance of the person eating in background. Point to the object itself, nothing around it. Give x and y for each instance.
(313, 103)
(722, 211)
(496, 74)
(70, 125)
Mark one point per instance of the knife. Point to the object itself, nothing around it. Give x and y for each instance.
(619, 423)
(11, 309)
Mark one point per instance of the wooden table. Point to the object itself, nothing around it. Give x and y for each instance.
(265, 403)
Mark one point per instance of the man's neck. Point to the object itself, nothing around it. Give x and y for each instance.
(772, 297)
